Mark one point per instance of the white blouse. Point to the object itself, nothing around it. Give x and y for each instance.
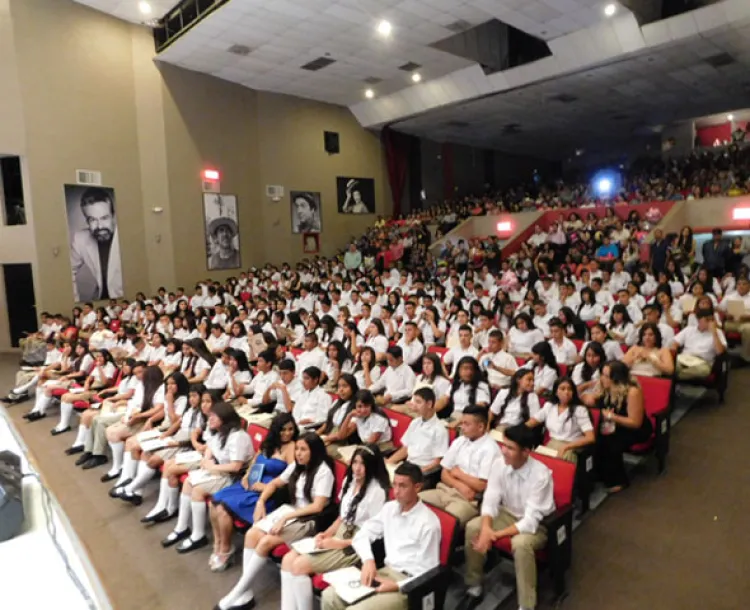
(374, 424)
(461, 396)
(368, 506)
(590, 312)
(322, 486)
(577, 377)
(379, 343)
(238, 448)
(521, 341)
(512, 415)
(560, 426)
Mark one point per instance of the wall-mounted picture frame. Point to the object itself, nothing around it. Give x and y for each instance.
(222, 228)
(305, 211)
(311, 243)
(355, 195)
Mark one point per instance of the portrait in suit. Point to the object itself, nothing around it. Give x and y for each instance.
(94, 243)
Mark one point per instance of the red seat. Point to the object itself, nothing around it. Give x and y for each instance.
(57, 392)
(339, 471)
(81, 405)
(278, 552)
(578, 343)
(563, 370)
(399, 424)
(435, 349)
(557, 554)
(657, 400)
(114, 325)
(257, 435)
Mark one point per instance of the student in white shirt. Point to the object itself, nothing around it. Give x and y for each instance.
(26, 381)
(397, 383)
(335, 431)
(701, 345)
(217, 379)
(218, 340)
(425, 441)
(312, 355)
(197, 360)
(432, 376)
(264, 379)
(741, 323)
(411, 534)
(564, 349)
(612, 349)
(238, 375)
(516, 404)
(621, 327)
(284, 392)
(523, 336)
(468, 389)
(367, 371)
(466, 467)
(372, 425)
(313, 404)
(363, 494)
(498, 363)
(410, 344)
(586, 374)
(465, 347)
(545, 367)
(376, 338)
(589, 309)
(513, 507)
(311, 484)
(566, 420)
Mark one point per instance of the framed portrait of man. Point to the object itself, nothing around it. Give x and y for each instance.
(222, 231)
(95, 259)
(305, 211)
(311, 243)
(355, 195)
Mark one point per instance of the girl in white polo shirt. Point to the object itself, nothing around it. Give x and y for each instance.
(516, 404)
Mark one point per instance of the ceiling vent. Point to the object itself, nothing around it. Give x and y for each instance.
(564, 98)
(720, 60)
(459, 26)
(239, 49)
(373, 80)
(318, 64)
(410, 67)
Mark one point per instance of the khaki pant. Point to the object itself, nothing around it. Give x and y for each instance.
(523, 546)
(23, 377)
(96, 442)
(732, 326)
(693, 371)
(568, 456)
(379, 601)
(451, 500)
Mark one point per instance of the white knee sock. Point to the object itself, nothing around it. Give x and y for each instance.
(118, 449)
(144, 473)
(288, 600)
(183, 516)
(303, 591)
(173, 496)
(128, 468)
(22, 389)
(161, 502)
(66, 411)
(199, 520)
(42, 400)
(242, 593)
(81, 438)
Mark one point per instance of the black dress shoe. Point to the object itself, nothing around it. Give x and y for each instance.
(55, 431)
(74, 450)
(28, 415)
(469, 602)
(36, 416)
(164, 516)
(152, 519)
(133, 499)
(191, 545)
(174, 538)
(94, 461)
(83, 458)
(246, 606)
(119, 490)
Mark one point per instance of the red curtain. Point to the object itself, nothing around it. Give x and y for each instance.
(449, 182)
(397, 160)
(709, 134)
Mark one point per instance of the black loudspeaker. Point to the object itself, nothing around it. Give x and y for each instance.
(11, 495)
(331, 141)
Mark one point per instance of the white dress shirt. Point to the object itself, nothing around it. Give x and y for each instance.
(513, 415)
(412, 351)
(412, 539)
(503, 360)
(369, 506)
(398, 383)
(315, 357)
(374, 424)
(322, 487)
(473, 457)
(461, 396)
(697, 343)
(313, 405)
(560, 426)
(425, 440)
(526, 493)
(521, 341)
(259, 384)
(566, 352)
(454, 354)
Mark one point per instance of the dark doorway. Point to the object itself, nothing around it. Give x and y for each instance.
(12, 191)
(19, 293)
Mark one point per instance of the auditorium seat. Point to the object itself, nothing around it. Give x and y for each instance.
(257, 435)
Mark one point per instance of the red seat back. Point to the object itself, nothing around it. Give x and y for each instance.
(563, 476)
(434, 349)
(339, 472)
(563, 370)
(656, 394)
(448, 525)
(578, 343)
(399, 423)
(257, 435)
(114, 325)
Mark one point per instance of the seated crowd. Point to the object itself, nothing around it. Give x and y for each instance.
(487, 364)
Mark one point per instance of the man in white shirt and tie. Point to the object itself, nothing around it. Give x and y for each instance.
(518, 497)
(397, 382)
(411, 534)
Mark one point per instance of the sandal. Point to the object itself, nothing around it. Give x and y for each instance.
(222, 561)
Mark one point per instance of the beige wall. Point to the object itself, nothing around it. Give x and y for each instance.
(81, 91)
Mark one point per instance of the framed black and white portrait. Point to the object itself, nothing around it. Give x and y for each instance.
(94, 242)
(355, 195)
(222, 231)
(305, 211)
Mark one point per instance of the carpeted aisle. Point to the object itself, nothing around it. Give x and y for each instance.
(675, 542)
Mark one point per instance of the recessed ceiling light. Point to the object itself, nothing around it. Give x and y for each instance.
(610, 9)
(385, 28)
(144, 7)
(369, 94)
(416, 77)
(730, 117)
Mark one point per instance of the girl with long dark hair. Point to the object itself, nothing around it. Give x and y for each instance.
(311, 483)
(334, 431)
(370, 423)
(367, 371)
(586, 374)
(363, 494)
(228, 451)
(516, 404)
(468, 389)
(523, 335)
(545, 367)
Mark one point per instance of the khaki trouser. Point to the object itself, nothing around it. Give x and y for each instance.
(379, 601)
(523, 546)
(743, 328)
(96, 442)
(450, 500)
(693, 371)
(568, 456)
(23, 377)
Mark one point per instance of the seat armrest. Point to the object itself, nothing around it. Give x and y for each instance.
(423, 582)
(559, 536)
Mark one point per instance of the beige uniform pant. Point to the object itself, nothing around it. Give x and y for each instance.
(96, 442)
(23, 377)
(693, 371)
(451, 501)
(523, 546)
(568, 456)
(379, 601)
(743, 328)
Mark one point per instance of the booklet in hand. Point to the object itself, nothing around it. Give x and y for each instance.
(266, 524)
(347, 583)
